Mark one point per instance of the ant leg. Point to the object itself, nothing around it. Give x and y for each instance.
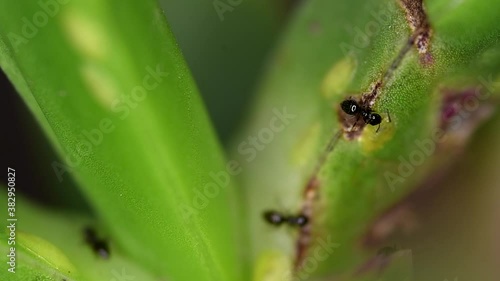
(388, 116)
(378, 128)
(357, 119)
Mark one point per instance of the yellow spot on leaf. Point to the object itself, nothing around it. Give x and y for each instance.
(371, 140)
(86, 35)
(305, 147)
(101, 84)
(46, 252)
(338, 77)
(273, 266)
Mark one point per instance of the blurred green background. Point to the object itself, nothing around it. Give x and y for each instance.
(227, 58)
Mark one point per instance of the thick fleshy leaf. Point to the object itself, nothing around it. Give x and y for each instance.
(334, 50)
(111, 90)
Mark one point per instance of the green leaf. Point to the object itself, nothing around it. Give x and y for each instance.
(334, 50)
(110, 88)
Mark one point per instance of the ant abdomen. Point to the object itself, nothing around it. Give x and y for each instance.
(374, 119)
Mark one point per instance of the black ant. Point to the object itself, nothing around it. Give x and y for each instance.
(277, 219)
(352, 107)
(99, 246)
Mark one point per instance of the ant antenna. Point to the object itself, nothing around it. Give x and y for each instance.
(388, 118)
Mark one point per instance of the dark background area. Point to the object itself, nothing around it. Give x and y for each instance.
(24, 145)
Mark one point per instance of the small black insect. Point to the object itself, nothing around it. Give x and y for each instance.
(277, 219)
(352, 107)
(100, 246)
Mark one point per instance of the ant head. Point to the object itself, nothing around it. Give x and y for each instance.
(274, 217)
(299, 220)
(350, 107)
(374, 119)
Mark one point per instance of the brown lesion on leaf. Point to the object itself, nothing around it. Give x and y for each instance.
(350, 131)
(463, 105)
(310, 196)
(351, 127)
(420, 27)
(305, 233)
(368, 98)
(462, 112)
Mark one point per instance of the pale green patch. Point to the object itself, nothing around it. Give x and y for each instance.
(86, 35)
(371, 140)
(304, 149)
(273, 266)
(46, 252)
(338, 77)
(101, 84)
(91, 39)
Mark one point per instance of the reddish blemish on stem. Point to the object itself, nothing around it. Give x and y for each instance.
(454, 104)
(310, 195)
(419, 24)
(368, 99)
(305, 233)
